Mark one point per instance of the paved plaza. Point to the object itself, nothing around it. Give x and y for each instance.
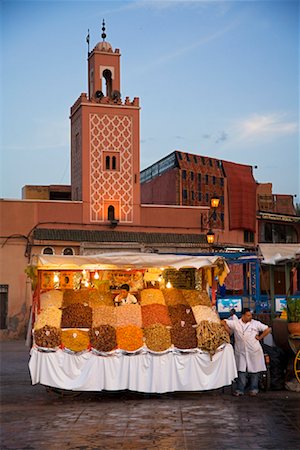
(33, 417)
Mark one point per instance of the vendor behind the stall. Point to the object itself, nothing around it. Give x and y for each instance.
(125, 298)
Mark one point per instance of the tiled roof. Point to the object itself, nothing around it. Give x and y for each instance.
(48, 234)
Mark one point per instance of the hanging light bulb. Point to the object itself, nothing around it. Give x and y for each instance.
(169, 285)
(84, 272)
(96, 276)
(160, 278)
(56, 278)
(86, 283)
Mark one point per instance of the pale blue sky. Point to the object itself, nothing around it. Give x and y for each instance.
(215, 78)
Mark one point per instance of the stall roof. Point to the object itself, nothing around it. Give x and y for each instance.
(279, 253)
(124, 260)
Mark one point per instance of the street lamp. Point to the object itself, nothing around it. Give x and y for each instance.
(214, 203)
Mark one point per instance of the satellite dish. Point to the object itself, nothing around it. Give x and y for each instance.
(99, 94)
(116, 95)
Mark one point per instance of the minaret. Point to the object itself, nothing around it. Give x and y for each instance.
(105, 149)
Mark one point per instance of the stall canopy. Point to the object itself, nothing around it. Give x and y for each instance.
(279, 253)
(126, 260)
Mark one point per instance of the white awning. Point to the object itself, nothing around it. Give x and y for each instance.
(279, 253)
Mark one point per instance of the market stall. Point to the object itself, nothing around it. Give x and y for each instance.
(170, 340)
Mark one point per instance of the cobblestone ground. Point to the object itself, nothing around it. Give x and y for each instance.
(34, 418)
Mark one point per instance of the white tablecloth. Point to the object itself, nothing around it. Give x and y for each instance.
(143, 372)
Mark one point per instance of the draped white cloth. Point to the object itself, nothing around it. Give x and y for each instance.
(144, 372)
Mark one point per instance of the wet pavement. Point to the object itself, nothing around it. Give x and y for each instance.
(33, 417)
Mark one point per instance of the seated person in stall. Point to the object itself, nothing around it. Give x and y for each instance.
(124, 298)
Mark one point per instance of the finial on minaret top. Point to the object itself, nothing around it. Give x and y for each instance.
(103, 35)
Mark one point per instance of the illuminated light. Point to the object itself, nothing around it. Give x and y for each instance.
(86, 283)
(96, 276)
(160, 278)
(214, 202)
(84, 272)
(210, 237)
(168, 285)
(56, 278)
(162, 269)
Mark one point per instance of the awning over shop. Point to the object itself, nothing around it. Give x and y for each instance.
(279, 253)
(125, 260)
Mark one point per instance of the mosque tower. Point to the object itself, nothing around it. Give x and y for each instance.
(105, 136)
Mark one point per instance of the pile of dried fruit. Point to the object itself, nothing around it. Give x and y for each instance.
(173, 296)
(48, 337)
(194, 297)
(181, 313)
(85, 296)
(205, 313)
(77, 316)
(51, 298)
(129, 338)
(49, 316)
(129, 315)
(103, 338)
(184, 336)
(157, 337)
(105, 315)
(150, 296)
(75, 340)
(211, 335)
(155, 313)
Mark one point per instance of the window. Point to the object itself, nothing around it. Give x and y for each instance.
(48, 251)
(111, 213)
(206, 197)
(203, 160)
(210, 163)
(107, 81)
(114, 163)
(107, 162)
(221, 181)
(184, 194)
(3, 305)
(68, 251)
(111, 160)
(214, 180)
(192, 176)
(195, 159)
(248, 236)
(222, 199)
(184, 174)
(222, 217)
(193, 195)
(179, 155)
(206, 179)
(187, 157)
(199, 196)
(199, 178)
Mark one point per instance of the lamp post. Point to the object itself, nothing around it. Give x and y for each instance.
(214, 203)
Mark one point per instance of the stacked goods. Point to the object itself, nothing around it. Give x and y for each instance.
(150, 296)
(48, 337)
(89, 297)
(129, 338)
(104, 299)
(155, 313)
(103, 338)
(181, 313)
(184, 336)
(49, 316)
(194, 297)
(104, 315)
(205, 313)
(211, 335)
(77, 316)
(157, 337)
(173, 296)
(51, 298)
(129, 315)
(75, 340)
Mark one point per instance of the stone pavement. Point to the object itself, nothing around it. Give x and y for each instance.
(34, 418)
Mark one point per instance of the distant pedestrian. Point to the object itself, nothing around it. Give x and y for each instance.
(233, 315)
(248, 351)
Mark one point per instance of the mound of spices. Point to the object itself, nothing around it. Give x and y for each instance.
(205, 313)
(104, 315)
(48, 337)
(77, 316)
(49, 316)
(75, 340)
(157, 337)
(129, 315)
(181, 313)
(173, 296)
(51, 298)
(184, 336)
(103, 338)
(194, 297)
(150, 296)
(155, 313)
(129, 338)
(84, 296)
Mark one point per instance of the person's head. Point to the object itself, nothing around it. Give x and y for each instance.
(246, 315)
(124, 289)
(232, 312)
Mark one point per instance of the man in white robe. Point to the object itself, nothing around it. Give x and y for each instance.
(249, 355)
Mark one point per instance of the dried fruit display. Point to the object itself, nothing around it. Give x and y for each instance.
(184, 336)
(211, 335)
(49, 316)
(155, 313)
(129, 315)
(181, 313)
(51, 298)
(173, 296)
(104, 315)
(84, 296)
(105, 298)
(194, 297)
(77, 316)
(48, 337)
(103, 338)
(157, 337)
(150, 296)
(75, 340)
(129, 338)
(205, 313)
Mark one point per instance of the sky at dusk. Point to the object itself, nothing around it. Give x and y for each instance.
(214, 78)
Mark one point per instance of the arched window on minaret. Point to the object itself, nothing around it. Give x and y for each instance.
(111, 213)
(114, 163)
(107, 162)
(108, 82)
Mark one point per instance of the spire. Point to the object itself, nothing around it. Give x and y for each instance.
(103, 35)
